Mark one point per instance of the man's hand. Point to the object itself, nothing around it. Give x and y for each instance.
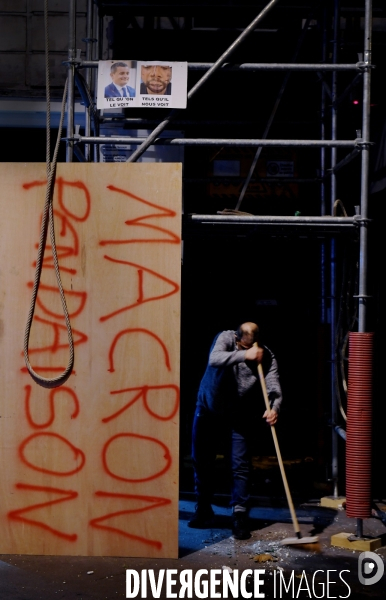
(255, 353)
(270, 416)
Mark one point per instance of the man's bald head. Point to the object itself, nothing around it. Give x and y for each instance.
(247, 334)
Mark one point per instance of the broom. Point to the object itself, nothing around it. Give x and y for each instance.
(298, 540)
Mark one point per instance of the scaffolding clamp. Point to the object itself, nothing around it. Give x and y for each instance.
(358, 142)
(76, 138)
(359, 220)
(362, 296)
(76, 61)
(364, 66)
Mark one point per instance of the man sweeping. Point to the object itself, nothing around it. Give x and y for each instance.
(230, 396)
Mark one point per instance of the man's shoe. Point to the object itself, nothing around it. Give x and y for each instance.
(202, 518)
(240, 527)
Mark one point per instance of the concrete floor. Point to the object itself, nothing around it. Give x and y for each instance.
(97, 578)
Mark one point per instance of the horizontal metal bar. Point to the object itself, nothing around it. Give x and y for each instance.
(274, 220)
(359, 66)
(216, 142)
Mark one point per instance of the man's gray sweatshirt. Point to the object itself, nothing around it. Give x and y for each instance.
(229, 379)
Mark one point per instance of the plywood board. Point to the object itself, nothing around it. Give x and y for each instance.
(91, 467)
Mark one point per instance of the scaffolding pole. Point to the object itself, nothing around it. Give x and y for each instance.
(274, 220)
(89, 74)
(363, 256)
(363, 235)
(216, 142)
(323, 311)
(334, 124)
(71, 79)
(358, 66)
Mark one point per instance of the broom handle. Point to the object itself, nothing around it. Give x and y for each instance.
(278, 453)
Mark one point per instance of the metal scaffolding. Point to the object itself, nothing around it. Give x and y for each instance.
(360, 145)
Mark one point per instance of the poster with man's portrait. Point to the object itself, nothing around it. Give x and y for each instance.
(162, 84)
(148, 84)
(117, 80)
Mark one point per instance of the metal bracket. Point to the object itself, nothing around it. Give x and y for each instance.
(358, 219)
(76, 61)
(76, 138)
(363, 66)
(359, 142)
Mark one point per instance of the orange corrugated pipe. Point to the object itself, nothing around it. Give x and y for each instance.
(359, 418)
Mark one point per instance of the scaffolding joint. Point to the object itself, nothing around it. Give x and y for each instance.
(76, 138)
(74, 61)
(359, 143)
(363, 221)
(364, 66)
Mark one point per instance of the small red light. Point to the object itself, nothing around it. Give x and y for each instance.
(355, 101)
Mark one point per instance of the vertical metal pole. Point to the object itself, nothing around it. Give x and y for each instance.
(363, 241)
(98, 54)
(323, 184)
(89, 46)
(323, 246)
(71, 77)
(365, 170)
(334, 123)
(334, 111)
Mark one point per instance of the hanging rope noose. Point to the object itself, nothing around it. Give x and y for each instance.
(48, 222)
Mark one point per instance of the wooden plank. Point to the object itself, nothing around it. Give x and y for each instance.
(341, 540)
(332, 502)
(91, 467)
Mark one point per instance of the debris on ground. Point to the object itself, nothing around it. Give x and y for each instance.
(265, 557)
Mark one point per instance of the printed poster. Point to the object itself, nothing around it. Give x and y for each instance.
(151, 84)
